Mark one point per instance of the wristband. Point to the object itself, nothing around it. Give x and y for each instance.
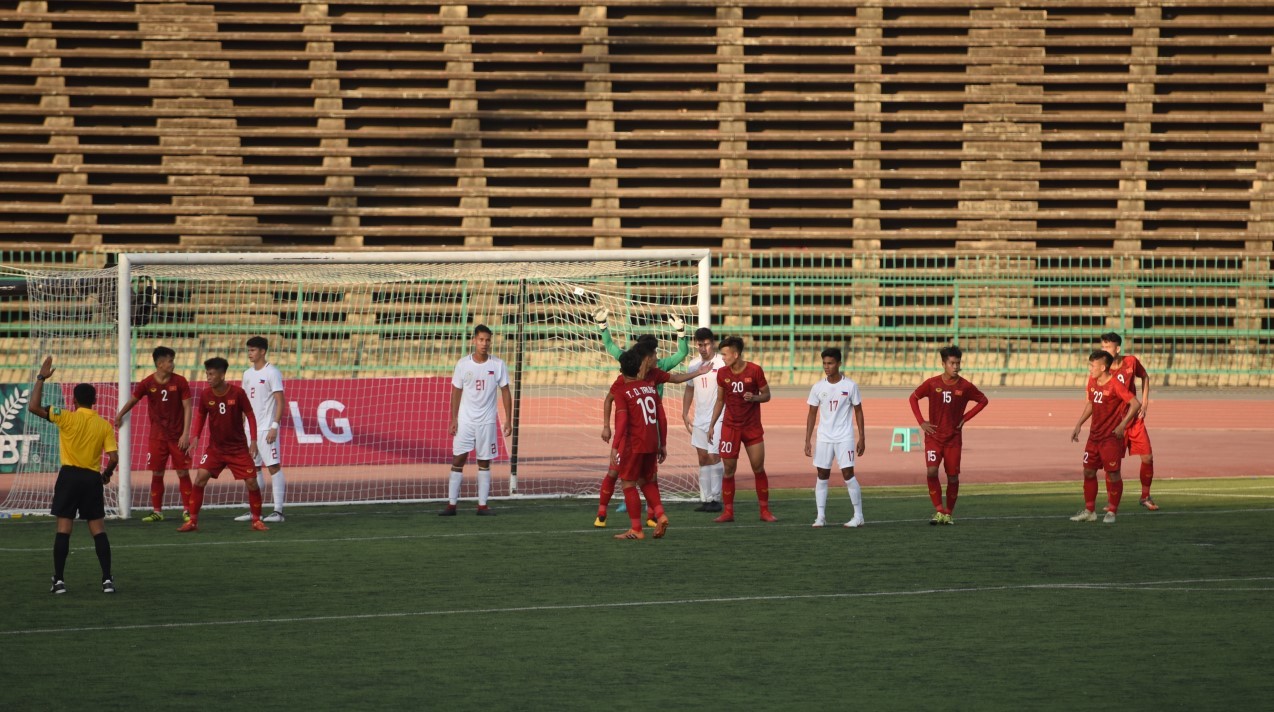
(40, 377)
(273, 426)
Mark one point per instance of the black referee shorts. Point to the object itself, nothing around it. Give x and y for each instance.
(78, 490)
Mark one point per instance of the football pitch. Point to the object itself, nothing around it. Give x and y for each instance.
(381, 606)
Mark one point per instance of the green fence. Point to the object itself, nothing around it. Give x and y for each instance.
(1024, 319)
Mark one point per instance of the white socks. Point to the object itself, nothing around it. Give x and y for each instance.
(820, 497)
(453, 487)
(280, 487)
(484, 486)
(705, 483)
(855, 495)
(718, 473)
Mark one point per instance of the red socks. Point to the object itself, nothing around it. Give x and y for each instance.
(762, 489)
(1147, 476)
(254, 504)
(1090, 493)
(196, 502)
(184, 483)
(633, 500)
(608, 491)
(953, 489)
(727, 493)
(654, 507)
(157, 492)
(1114, 492)
(935, 492)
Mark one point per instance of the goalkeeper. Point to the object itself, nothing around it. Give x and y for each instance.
(602, 318)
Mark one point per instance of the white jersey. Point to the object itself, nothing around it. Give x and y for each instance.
(835, 401)
(705, 389)
(480, 382)
(261, 385)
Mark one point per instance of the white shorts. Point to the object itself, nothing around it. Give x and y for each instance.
(481, 439)
(699, 439)
(842, 452)
(268, 453)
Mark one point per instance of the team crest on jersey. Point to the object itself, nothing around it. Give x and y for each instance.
(153, 389)
(212, 404)
(937, 390)
(729, 380)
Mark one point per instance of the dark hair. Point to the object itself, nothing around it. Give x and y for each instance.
(162, 352)
(85, 395)
(951, 351)
(1102, 356)
(481, 329)
(646, 343)
(733, 342)
(704, 332)
(216, 363)
(630, 362)
(1112, 337)
(259, 342)
(832, 352)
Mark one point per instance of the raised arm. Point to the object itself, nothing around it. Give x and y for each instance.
(35, 406)
(610, 345)
(688, 375)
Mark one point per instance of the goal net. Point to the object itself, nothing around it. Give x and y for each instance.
(367, 345)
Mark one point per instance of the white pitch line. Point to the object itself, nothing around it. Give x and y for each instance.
(1135, 586)
(871, 523)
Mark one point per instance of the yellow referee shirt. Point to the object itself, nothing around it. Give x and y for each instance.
(84, 436)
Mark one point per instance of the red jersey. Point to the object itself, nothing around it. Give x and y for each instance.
(946, 405)
(1110, 405)
(640, 425)
(225, 414)
(164, 404)
(1128, 371)
(740, 413)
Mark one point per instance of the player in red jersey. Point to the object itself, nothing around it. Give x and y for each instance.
(741, 389)
(645, 344)
(167, 397)
(948, 395)
(641, 436)
(1112, 408)
(225, 406)
(1128, 369)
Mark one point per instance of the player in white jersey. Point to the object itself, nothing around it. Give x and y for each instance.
(702, 393)
(264, 385)
(474, 420)
(830, 400)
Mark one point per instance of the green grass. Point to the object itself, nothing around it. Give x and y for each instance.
(391, 607)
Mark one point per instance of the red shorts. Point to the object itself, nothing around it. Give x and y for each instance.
(635, 466)
(1136, 438)
(240, 464)
(1104, 454)
(732, 436)
(161, 450)
(939, 453)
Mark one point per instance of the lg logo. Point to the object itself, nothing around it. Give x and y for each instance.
(337, 430)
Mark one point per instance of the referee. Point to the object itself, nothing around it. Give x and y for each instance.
(83, 435)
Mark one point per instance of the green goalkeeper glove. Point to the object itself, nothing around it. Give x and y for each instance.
(600, 317)
(678, 325)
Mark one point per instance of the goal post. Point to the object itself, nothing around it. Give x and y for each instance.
(347, 315)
